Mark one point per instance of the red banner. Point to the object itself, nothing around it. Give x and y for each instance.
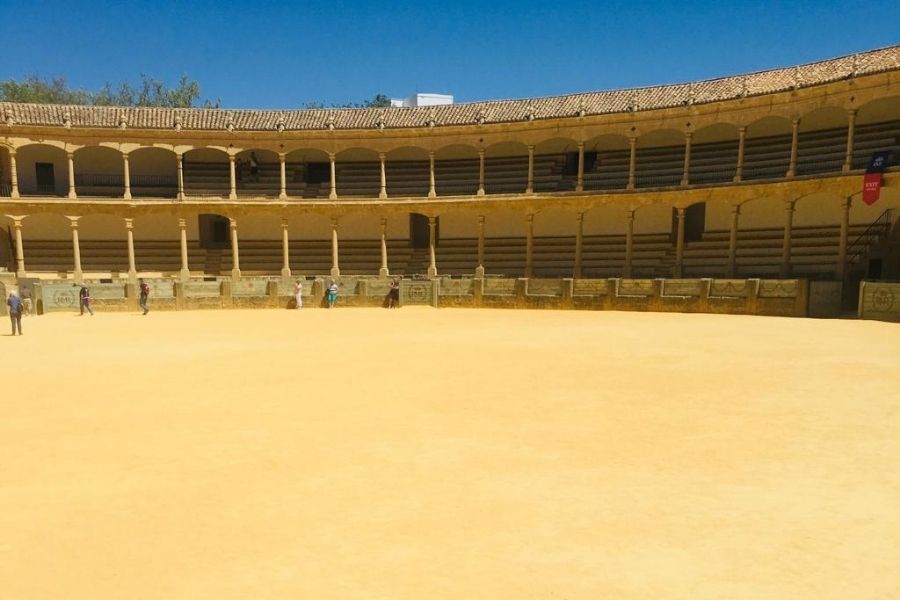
(871, 188)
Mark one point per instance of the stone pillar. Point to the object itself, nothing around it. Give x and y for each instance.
(185, 272)
(841, 267)
(579, 179)
(335, 267)
(480, 172)
(132, 267)
(479, 268)
(76, 250)
(71, 162)
(529, 187)
(20, 249)
(632, 161)
(232, 190)
(579, 244)
(383, 271)
(382, 193)
(282, 164)
(285, 250)
(432, 262)
(732, 240)
(181, 177)
(686, 170)
(739, 170)
(235, 253)
(13, 175)
(795, 141)
(127, 174)
(529, 245)
(786, 246)
(851, 131)
(679, 242)
(431, 188)
(629, 241)
(332, 193)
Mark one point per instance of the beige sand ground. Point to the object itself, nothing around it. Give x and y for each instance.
(430, 454)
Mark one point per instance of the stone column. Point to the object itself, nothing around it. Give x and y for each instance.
(285, 250)
(432, 261)
(332, 193)
(529, 245)
(795, 141)
(480, 172)
(382, 193)
(13, 175)
(185, 269)
(20, 249)
(841, 268)
(629, 241)
(579, 244)
(181, 177)
(632, 161)
(383, 271)
(132, 267)
(431, 188)
(127, 174)
(686, 171)
(851, 131)
(232, 191)
(479, 268)
(71, 157)
(529, 187)
(732, 240)
(282, 160)
(76, 250)
(579, 179)
(786, 246)
(335, 267)
(235, 254)
(739, 170)
(679, 243)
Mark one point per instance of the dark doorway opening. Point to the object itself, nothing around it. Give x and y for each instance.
(420, 232)
(318, 172)
(214, 232)
(694, 222)
(45, 178)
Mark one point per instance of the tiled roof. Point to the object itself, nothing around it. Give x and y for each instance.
(592, 103)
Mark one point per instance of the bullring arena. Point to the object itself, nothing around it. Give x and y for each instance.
(604, 380)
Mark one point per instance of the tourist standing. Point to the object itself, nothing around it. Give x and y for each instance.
(27, 305)
(15, 312)
(84, 300)
(144, 296)
(394, 294)
(298, 294)
(331, 293)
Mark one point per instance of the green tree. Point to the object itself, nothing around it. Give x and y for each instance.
(151, 92)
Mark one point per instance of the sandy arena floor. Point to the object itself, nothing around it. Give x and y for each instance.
(466, 454)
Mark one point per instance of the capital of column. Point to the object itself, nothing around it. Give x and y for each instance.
(688, 135)
(531, 148)
(789, 205)
(182, 223)
(129, 223)
(742, 130)
(629, 214)
(580, 217)
(795, 122)
(383, 223)
(284, 223)
(331, 156)
(231, 158)
(736, 209)
(70, 155)
(529, 218)
(232, 222)
(382, 156)
(334, 222)
(73, 221)
(680, 210)
(481, 219)
(851, 113)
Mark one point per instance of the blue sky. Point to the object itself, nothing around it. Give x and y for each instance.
(259, 54)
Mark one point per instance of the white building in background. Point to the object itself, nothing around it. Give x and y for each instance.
(423, 100)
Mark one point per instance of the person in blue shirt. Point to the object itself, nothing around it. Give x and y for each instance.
(15, 312)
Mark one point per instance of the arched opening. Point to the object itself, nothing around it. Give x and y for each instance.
(504, 247)
(47, 242)
(767, 149)
(43, 170)
(652, 240)
(603, 252)
(153, 173)
(308, 173)
(103, 244)
(5, 172)
(554, 242)
(99, 171)
(714, 153)
(457, 253)
(606, 159)
(822, 141)
(360, 244)
(407, 172)
(877, 129)
(456, 170)
(206, 173)
(257, 173)
(660, 158)
(555, 165)
(310, 244)
(506, 168)
(259, 244)
(358, 172)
